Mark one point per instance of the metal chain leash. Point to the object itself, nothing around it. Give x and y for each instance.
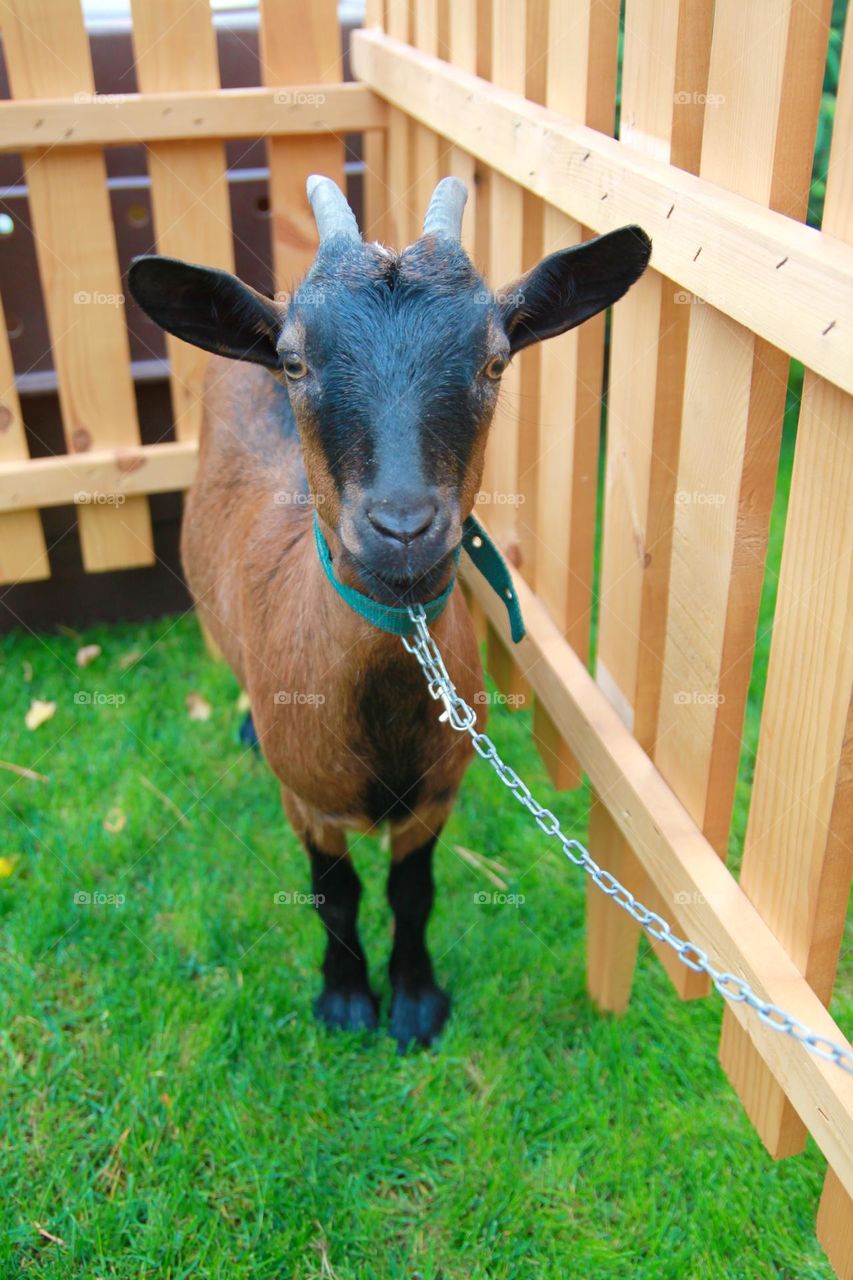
(463, 719)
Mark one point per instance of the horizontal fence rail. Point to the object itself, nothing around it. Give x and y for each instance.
(714, 244)
(90, 119)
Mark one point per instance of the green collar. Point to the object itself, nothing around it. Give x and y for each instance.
(398, 621)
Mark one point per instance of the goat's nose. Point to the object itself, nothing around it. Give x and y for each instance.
(402, 521)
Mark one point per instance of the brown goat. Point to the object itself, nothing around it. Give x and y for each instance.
(366, 400)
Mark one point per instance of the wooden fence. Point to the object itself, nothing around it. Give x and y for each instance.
(719, 106)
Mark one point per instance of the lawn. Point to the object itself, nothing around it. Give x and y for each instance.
(172, 1110)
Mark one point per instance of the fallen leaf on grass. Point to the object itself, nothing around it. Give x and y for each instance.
(130, 659)
(198, 708)
(88, 653)
(115, 821)
(244, 702)
(7, 865)
(38, 713)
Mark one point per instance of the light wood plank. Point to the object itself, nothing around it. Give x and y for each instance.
(299, 45)
(835, 1226)
(461, 164)
(798, 852)
(717, 245)
(734, 401)
(648, 352)
(375, 145)
(400, 138)
(122, 119)
(499, 489)
(47, 52)
(581, 85)
(428, 146)
(530, 360)
(175, 49)
(23, 551)
(98, 478)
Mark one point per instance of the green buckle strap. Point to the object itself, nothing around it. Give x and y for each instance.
(489, 561)
(397, 621)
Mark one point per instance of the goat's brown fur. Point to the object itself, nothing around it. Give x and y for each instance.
(261, 592)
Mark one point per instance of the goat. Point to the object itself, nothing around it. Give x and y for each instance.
(366, 398)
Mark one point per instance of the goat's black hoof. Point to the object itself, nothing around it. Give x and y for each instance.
(248, 733)
(418, 1016)
(347, 1010)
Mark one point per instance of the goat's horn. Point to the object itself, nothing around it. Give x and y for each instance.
(444, 215)
(332, 214)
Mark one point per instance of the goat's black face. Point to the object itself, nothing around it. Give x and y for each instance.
(393, 365)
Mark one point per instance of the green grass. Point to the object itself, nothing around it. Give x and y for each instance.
(171, 1109)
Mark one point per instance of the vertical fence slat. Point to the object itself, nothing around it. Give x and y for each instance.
(483, 69)
(175, 49)
(581, 84)
(525, 495)
(734, 402)
(798, 852)
(835, 1226)
(648, 350)
(427, 144)
(508, 32)
(505, 265)
(400, 161)
(375, 145)
(463, 54)
(23, 553)
(462, 51)
(300, 44)
(47, 55)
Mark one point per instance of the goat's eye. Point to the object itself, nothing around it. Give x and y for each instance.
(494, 368)
(294, 366)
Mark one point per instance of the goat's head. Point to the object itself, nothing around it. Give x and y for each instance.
(393, 363)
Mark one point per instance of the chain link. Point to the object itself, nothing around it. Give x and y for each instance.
(736, 990)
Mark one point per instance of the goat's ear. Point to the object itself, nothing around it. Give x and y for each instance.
(209, 308)
(571, 285)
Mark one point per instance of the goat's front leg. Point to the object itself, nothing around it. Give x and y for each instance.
(419, 1007)
(346, 1000)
